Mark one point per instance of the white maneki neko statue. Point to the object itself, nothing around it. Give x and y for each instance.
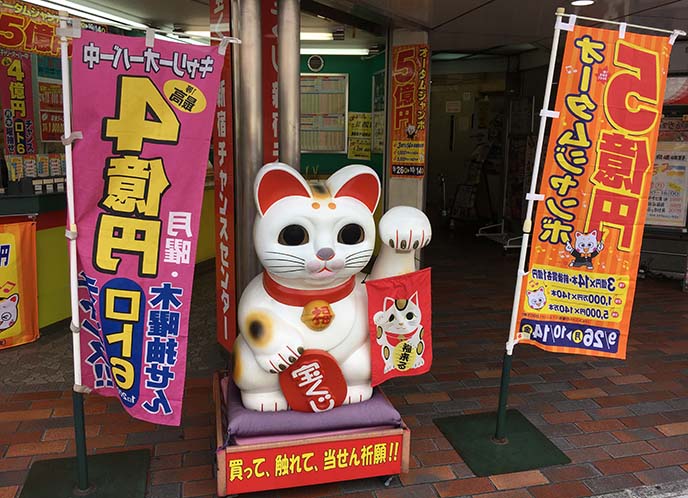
(313, 239)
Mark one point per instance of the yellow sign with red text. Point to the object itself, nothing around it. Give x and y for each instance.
(587, 232)
(18, 288)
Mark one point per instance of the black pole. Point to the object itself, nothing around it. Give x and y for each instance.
(80, 439)
(500, 433)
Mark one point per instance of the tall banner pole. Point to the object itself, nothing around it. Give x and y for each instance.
(531, 197)
(71, 234)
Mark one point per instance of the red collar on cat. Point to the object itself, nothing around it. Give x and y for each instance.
(300, 297)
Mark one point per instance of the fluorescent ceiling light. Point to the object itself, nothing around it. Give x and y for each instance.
(202, 34)
(87, 12)
(447, 56)
(75, 13)
(175, 37)
(316, 36)
(582, 3)
(304, 35)
(334, 51)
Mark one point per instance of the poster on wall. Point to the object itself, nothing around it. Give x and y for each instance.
(409, 110)
(378, 118)
(29, 28)
(360, 135)
(673, 129)
(146, 114)
(50, 116)
(268, 22)
(587, 232)
(16, 97)
(223, 157)
(18, 287)
(324, 105)
(668, 201)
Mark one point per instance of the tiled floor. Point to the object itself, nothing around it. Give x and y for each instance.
(624, 424)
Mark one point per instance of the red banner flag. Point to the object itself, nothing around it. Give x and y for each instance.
(223, 164)
(400, 320)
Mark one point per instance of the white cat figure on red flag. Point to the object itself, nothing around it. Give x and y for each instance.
(400, 315)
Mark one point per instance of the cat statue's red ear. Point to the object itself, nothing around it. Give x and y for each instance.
(274, 182)
(356, 181)
(14, 298)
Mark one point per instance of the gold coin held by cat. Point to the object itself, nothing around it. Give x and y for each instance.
(317, 315)
(404, 356)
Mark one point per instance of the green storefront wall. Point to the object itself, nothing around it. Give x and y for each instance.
(360, 71)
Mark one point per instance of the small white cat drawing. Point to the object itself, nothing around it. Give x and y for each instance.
(399, 330)
(585, 248)
(8, 311)
(537, 298)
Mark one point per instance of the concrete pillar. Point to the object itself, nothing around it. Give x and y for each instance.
(288, 59)
(249, 138)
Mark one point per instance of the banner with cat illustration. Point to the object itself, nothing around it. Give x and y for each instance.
(409, 110)
(146, 114)
(587, 232)
(18, 288)
(400, 322)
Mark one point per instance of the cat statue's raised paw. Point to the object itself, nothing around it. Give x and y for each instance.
(313, 239)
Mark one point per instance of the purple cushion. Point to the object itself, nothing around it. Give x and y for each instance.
(241, 422)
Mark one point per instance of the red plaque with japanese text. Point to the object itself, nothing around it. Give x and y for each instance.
(312, 462)
(314, 383)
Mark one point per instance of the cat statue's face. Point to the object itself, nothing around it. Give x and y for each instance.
(537, 299)
(8, 311)
(315, 235)
(399, 316)
(586, 242)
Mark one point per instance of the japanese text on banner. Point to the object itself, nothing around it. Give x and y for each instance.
(578, 296)
(16, 96)
(146, 115)
(409, 109)
(223, 164)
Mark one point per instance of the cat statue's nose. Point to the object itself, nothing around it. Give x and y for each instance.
(325, 254)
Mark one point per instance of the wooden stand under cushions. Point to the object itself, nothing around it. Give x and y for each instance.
(377, 452)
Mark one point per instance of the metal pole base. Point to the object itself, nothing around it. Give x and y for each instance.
(526, 448)
(84, 492)
(112, 475)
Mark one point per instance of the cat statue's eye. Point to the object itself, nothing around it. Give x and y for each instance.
(351, 234)
(409, 316)
(293, 235)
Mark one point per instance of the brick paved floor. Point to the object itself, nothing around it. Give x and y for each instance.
(624, 424)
